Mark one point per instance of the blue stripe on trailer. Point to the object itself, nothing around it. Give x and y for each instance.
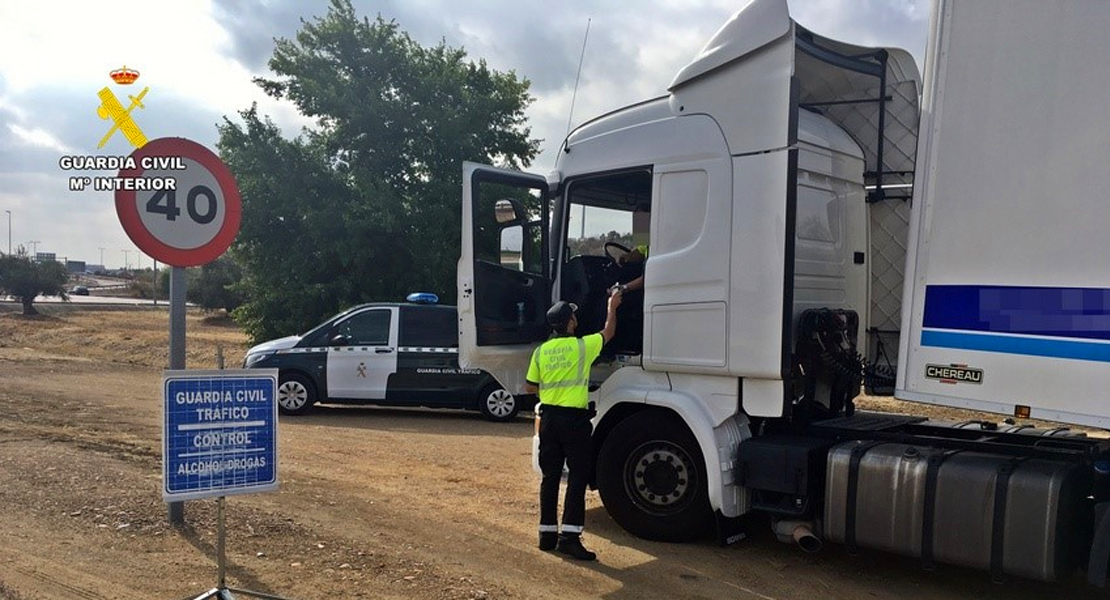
(1009, 344)
(1049, 311)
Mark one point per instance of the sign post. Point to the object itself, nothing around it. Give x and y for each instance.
(185, 214)
(176, 510)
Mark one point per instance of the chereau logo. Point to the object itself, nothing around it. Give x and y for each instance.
(954, 374)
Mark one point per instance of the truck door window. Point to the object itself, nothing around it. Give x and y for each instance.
(511, 280)
(512, 244)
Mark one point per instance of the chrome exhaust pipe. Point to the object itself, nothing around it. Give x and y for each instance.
(798, 532)
(806, 539)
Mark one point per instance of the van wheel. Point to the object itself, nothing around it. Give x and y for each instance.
(295, 394)
(497, 404)
(652, 479)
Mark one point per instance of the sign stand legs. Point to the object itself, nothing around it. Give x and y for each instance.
(221, 591)
(221, 535)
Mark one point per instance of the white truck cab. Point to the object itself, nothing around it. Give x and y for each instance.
(753, 189)
(772, 184)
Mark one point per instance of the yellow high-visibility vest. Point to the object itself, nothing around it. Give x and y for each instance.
(561, 369)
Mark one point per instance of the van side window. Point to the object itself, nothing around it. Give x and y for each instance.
(429, 327)
(370, 328)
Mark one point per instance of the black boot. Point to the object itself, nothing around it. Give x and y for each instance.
(548, 540)
(571, 545)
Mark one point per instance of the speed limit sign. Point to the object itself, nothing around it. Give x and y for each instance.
(183, 206)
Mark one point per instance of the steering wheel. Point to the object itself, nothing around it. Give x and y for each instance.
(611, 246)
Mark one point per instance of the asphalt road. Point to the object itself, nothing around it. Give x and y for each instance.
(90, 299)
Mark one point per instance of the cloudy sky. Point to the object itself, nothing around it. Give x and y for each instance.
(198, 58)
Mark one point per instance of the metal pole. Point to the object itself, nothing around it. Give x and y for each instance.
(177, 356)
(154, 282)
(9, 231)
(221, 568)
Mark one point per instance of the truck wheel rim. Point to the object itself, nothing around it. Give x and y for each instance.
(500, 403)
(292, 395)
(660, 477)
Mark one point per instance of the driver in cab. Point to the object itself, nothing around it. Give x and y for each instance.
(636, 256)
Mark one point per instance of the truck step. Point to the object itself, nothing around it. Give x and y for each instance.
(864, 421)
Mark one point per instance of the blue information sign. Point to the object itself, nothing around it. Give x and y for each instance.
(219, 433)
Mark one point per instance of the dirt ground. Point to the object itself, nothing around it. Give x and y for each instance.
(373, 502)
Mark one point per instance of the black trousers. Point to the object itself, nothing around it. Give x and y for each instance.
(565, 435)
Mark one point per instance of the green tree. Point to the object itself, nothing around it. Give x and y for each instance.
(366, 206)
(215, 286)
(26, 279)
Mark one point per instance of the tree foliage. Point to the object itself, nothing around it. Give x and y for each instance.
(24, 279)
(365, 207)
(595, 246)
(215, 285)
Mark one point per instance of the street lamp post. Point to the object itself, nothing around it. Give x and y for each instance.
(126, 263)
(34, 247)
(9, 231)
(101, 256)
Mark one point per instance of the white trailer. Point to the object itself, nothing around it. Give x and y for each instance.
(788, 266)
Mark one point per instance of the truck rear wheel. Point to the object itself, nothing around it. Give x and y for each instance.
(652, 479)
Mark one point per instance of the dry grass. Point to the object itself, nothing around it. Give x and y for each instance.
(131, 335)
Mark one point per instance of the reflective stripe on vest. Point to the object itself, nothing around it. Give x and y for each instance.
(580, 380)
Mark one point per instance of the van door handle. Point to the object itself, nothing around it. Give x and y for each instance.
(383, 350)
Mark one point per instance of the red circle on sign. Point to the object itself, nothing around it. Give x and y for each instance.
(145, 240)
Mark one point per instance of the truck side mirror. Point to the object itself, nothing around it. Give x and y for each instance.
(508, 211)
(512, 247)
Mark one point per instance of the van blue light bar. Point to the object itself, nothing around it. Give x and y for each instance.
(422, 298)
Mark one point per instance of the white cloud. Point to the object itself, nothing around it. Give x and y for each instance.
(38, 137)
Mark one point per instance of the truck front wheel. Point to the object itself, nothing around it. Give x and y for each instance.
(652, 479)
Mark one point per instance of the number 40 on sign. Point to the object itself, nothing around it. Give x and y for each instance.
(187, 226)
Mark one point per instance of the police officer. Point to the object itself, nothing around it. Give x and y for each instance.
(560, 372)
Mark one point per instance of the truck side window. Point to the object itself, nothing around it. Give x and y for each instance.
(607, 216)
(370, 328)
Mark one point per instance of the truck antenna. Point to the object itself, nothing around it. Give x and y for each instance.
(574, 95)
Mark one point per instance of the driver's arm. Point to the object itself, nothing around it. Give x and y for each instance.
(635, 285)
(611, 317)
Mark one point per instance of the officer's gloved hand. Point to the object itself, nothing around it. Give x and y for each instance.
(591, 409)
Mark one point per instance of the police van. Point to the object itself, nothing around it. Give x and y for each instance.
(393, 354)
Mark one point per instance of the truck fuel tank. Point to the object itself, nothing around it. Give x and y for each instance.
(1016, 516)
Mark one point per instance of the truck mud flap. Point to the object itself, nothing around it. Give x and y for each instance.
(730, 530)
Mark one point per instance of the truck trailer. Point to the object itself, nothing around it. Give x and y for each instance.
(821, 223)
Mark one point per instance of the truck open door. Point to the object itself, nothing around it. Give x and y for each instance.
(504, 273)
